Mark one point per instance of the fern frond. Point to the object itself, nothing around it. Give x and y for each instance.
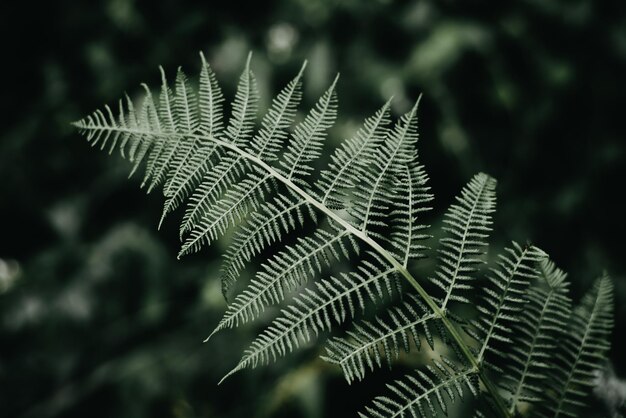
(244, 108)
(370, 341)
(372, 194)
(148, 121)
(504, 298)
(176, 154)
(214, 184)
(269, 140)
(543, 320)
(309, 136)
(421, 394)
(581, 352)
(229, 210)
(232, 165)
(411, 196)
(332, 301)
(238, 161)
(468, 223)
(163, 120)
(266, 226)
(352, 159)
(286, 271)
(191, 168)
(371, 199)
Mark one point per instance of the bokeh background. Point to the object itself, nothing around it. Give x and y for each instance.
(98, 319)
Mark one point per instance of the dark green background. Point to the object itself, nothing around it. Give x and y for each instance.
(98, 319)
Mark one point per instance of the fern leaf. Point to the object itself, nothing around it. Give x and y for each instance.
(136, 122)
(370, 341)
(287, 270)
(373, 196)
(333, 301)
(229, 210)
(191, 167)
(231, 166)
(185, 108)
(175, 150)
(309, 136)
(543, 319)
(269, 140)
(97, 127)
(147, 123)
(352, 159)
(581, 352)
(412, 194)
(210, 101)
(119, 127)
(164, 122)
(215, 183)
(422, 393)
(468, 223)
(244, 108)
(231, 176)
(94, 135)
(266, 226)
(504, 298)
(188, 179)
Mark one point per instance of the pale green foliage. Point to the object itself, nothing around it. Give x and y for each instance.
(371, 340)
(503, 298)
(276, 217)
(468, 223)
(540, 326)
(367, 206)
(420, 393)
(374, 192)
(286, 271)
(581, 352)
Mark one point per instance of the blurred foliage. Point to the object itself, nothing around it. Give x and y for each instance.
(98, 319)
